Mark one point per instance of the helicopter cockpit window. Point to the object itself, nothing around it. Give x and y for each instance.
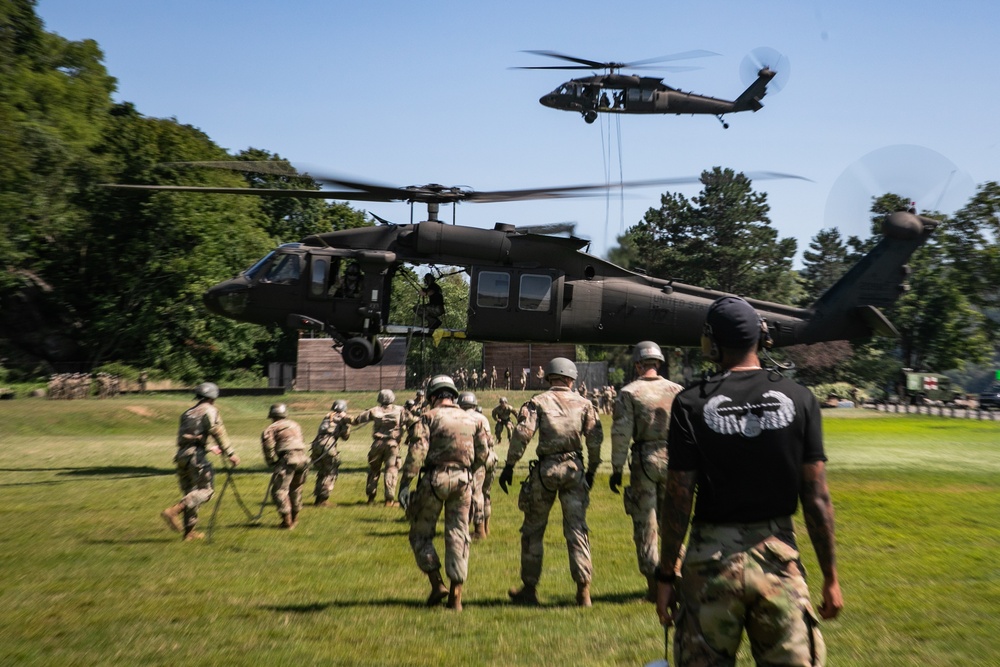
(535, 292)
(493, 290)
(252, 272)
(284, 271)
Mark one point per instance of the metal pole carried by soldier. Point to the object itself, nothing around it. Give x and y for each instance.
(448, 445)
(563, 419)
(745, 448)
(641, 418)
(194, 471)
(503, 414)
(482, 483)
(285, 452)
(325, 457)
(387, 425)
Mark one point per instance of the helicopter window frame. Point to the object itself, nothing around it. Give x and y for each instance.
(286, 269)
(252, 272)
(493, 289)
(531, 295)
(319, 275)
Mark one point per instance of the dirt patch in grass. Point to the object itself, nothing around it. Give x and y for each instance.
(145, 413)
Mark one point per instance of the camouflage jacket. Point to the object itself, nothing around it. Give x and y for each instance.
(504, 413)
(283, 435)
(563, 419)
(447, 435)
(387, 421)
(335, 426)
(200, 422)
(642, 414)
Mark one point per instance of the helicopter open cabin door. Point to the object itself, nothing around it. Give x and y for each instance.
(515, 304)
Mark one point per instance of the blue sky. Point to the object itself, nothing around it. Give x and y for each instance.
(882, 96)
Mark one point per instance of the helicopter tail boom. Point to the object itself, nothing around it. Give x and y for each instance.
(749, 99)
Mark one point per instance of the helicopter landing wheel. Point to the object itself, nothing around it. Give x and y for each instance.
(590, 117)
(725, 125)
(358, 353)
(377, 350)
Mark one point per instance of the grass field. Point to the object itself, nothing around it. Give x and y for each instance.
(91, 577)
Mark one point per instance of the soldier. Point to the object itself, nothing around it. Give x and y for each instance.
(503, 415)
(482, 482)
(524, 378)
(387, 424)
(335, 426)
(493, 378)
(285, 452)
(475, 379)
(432, 311)
(749, 444)
(449, 445)
(563, 420)
(194, 471)
(506, 379)
(642, 415)
(419, 402)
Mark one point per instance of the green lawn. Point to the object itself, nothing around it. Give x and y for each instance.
(91, 577)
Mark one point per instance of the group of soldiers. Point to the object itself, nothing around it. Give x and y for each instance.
(476, 380)
(741, 537)
(69, 386)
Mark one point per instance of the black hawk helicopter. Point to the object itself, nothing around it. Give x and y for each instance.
(524, 286)
(632, 94)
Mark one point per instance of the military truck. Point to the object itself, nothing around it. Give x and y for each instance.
(922, 387)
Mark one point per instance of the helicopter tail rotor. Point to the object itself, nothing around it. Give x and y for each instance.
(762, 58)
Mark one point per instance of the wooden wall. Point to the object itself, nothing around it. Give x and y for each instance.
(321, 368)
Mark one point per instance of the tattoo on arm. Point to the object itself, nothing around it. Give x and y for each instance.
(817, 508)
(675, 513)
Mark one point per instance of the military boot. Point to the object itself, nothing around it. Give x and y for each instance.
(455, 597)
(486, 526)
(171, 514)
(438, 590)
(371, 499)
(286, 522)
(322, 503)
(192, 535)
(527, 595)
(480, 532)
(583, 595)
(651, 588)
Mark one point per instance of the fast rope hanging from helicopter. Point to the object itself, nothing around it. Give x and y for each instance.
(606, 157)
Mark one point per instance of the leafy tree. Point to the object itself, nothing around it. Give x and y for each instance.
(824, 263)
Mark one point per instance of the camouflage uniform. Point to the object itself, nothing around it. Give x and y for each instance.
(642, 415)
(325, 457)
(482, 482)
(387, 422)
(448, 445)
(285, 451)
(194, 471)
(503, 415)
(562, 419)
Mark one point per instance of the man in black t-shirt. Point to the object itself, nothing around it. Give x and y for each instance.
(751, 442)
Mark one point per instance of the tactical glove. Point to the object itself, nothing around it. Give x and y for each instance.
(590, 479)
(506, 477)
(615, 482)
(404, 497)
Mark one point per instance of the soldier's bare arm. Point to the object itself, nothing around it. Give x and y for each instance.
(817, 508)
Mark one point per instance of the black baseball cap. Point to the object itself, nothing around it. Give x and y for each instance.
(732, 322)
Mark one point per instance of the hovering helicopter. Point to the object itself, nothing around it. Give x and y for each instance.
(524, 286)
(631, 94)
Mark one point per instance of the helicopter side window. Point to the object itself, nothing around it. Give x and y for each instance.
(535, 292)
(284, 271)
(493, 290)
(318, 277)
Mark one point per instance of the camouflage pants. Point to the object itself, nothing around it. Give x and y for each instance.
(451, 489)
(500, 428)
(327, 468)
(287, 480)
(194, 476)
(740, 577)
(384, 453)
(482, 482)
(648, 482)
(548, 479)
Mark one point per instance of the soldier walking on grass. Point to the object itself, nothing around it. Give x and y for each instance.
(387, 425)
(285, 452)
(482, 482)
(194, 471)
(335, 426)
(503, 414)
(641, 417)
(563, 420)
(448, 445)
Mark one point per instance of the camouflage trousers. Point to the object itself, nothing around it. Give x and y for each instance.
(748, 577)
(287, 480)
(552, 477)
(383, 453)
(648, 483)
(449, 488)
(482, 482)
(327, 467)
(194, 476)
(500, 428)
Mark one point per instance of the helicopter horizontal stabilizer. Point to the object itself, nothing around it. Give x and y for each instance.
(749, 100)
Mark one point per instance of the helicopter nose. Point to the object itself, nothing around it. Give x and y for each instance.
(547, 100)
(228, 298)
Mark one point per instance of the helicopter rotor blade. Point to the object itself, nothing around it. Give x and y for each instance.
(686, 55)
(551, 228)
(764, 57)
(584, 63)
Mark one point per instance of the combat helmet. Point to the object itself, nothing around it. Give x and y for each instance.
(208, 390)
(561, 366)
(410, 403)
(467, 400)
(645, 351)
(440, 384)
(340, 405)
(386, 397)
(278, 411)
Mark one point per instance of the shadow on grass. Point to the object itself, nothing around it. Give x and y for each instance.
(318, 607)
(138, 540)
(88, 474)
